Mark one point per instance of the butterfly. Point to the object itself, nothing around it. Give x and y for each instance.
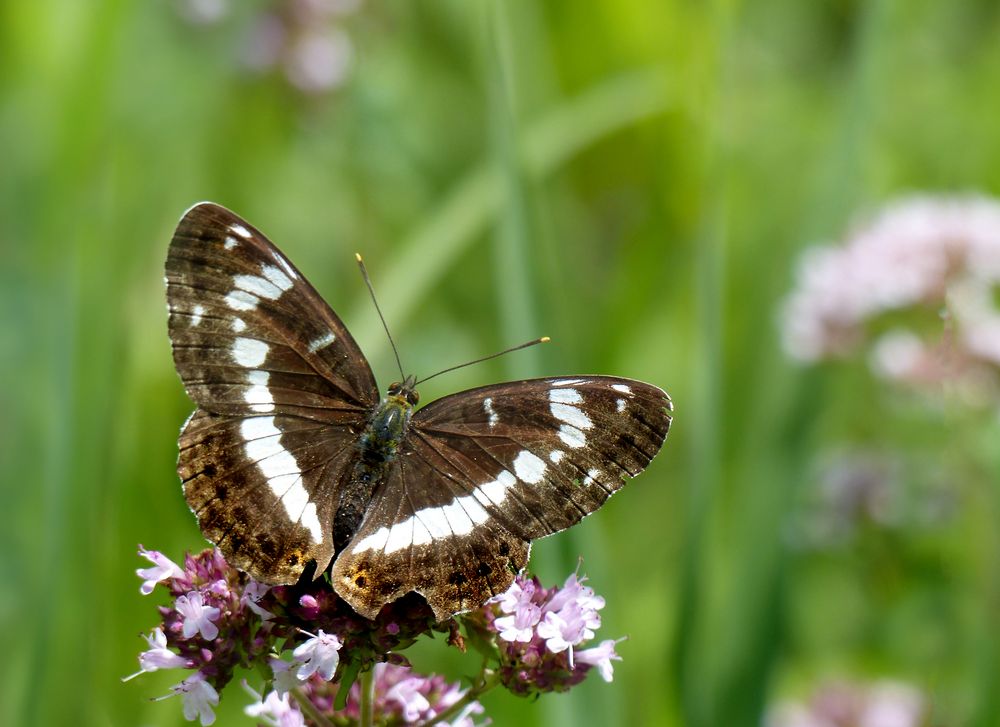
(292, 457)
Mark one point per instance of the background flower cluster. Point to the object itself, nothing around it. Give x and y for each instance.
(914, 287)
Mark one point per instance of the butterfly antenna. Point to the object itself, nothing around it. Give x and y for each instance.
(543, 339)
(371, 290)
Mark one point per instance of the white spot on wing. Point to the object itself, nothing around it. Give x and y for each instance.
(556, 456)
(288, 268)
(240, 230)
(571, 415)
(310, 521)
(488, 407)
(621, 388)
(400, 536)
(276, 277)
(196, 313)
(242, 300)
(230, 242)
(572, 437)
(620, 404)
(421, 535)
(322, 342)
(495, 491)
(458, 518)
(258, 286)
(591, 476)
(375, 541)
(262, 444)
(435, 521)
(239, 325)
(258, 396)
(529, 468)
(249, 352)
(565, 396)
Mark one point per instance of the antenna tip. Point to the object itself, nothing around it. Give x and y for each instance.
(357, 256)
(544, 339)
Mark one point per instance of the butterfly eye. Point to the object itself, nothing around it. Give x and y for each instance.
(394, 388)
(412, 397)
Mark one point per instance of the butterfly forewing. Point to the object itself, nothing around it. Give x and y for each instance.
(249, 333)
(486, 471)
(282, 390)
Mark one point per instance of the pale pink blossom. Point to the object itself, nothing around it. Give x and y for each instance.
(252, 593)
(198, 617)
(932, 260)
(163, 568)
(881, 704)
(274, 709)
(319, 655)
(407, 694)
(600, 656)
(199, 697)
(520, 625)
(285, 678)
(158, 656)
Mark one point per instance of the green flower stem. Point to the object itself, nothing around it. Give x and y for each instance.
(487, 680)
(367, 683)
(306, 705)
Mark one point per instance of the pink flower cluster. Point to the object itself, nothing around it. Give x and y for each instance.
(209, 596)
(401, 698)
(915, 285)
(540, 630)
(842, 704)
(302, 38)
(314, 645)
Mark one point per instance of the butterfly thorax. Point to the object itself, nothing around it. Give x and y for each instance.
(377, 448)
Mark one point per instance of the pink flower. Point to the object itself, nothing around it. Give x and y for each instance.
(163, 568)
(520, 625)
(199, 698)
(574, 590)
(882, 704)
(198, 617)
(285, 679)
(519, 593)
(274, 709)
(935, 260)
(252, 593)
(409, 698)
(565, 629)
(600, 656)
(319, 655)
(158, 656)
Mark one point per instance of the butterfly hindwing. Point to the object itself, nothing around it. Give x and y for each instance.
(264, 489)
(407, 542)
(486, 471)
(282, 391)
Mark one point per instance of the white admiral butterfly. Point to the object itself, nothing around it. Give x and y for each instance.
(292, 457)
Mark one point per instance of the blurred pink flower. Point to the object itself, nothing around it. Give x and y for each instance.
(934, 261)
(880, 704)
(302, 39)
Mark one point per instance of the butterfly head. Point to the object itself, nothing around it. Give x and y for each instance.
(405, 390)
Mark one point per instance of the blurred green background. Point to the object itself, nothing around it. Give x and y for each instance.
(634, 179)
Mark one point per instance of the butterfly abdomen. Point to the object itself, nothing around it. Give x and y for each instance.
(377, 449)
